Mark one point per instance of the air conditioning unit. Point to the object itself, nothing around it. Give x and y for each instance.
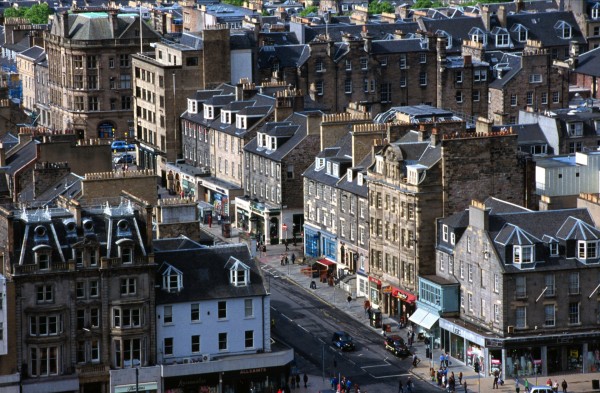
(511, 329)
(206, 358)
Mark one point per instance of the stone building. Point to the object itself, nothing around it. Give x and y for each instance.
(528, 300)
(528, 82)
(273, 165)
(83, 278)
(420, 177)
(162, 81)
(91, 89)
(27, 63)
(336, 229)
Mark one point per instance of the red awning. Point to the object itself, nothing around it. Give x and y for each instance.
(325, 262)
(403, 295)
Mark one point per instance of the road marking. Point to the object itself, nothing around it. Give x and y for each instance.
(390, 376)
(377, 365)
(286, 317)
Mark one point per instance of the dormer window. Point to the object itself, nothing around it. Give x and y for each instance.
(587, 249)
(596, 11)
(521, 32)
(335, 169)
(209, 112)
(319, 66)
(239, 274)
(172, 280)
(349, 175)
(319, 163)
(575, 129)
(329, 167)
(478, 35)
(78, 257)
(563, 29)
(43, 260)
(126, 254)
(360, 179)
(523, 254)
(448, 38)
(241, 122)
(553, 249)
(192, 106)
(502, 38)
(226, 117)
(273, 143)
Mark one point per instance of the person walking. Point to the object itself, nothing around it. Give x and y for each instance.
(305, 380)
(526, 384)
(460, 375)
(293, 258)
(564, 386)
(400, 386)
(495, 383)
(287, 248)
(409, 385)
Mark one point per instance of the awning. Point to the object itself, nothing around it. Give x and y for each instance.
(424, 318)
(403, 295)
(325, 262)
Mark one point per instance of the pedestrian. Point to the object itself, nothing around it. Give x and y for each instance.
(287, 261)
(298, 380)
(409, 385)
(432, 374)
(305, 380)
(349, 299)
(442, 360)
(564, 386)
(287, 248)
(292, 381)
(460, 378)
(495, 383)
(367, 306)
(446, 359)
(293, 258)
(549, 382)
(526, 384)
(282, 259)
(465, 385)
(400, 386)
(555, 386)
(416, 360)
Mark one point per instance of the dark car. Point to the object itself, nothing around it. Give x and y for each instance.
(397, 346)
(343, 341)
(124, 159)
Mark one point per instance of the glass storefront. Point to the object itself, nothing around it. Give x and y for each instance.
(457, 347)
(526, 361)
(475, 355)
(593, 358)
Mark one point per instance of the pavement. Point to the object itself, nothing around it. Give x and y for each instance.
(335, 296)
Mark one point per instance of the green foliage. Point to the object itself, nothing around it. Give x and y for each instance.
(428, 4)
(265, 13)
(379, 7)
(238, 3)
(36, 14)
(313, 9)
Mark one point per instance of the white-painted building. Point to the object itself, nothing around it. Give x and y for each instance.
(213, 319)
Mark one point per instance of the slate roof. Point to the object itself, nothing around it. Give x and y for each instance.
(260, 106)
(397, 46)
(68, 186)
(540, 27)
(509, 66)
(50, 228)
(94, 26)
(286, 55)
(528, 134)
(589, 63)
(458, 28)
(205, 276)
(280, 38)
(21, 157)
(292, 132)
(35, 53)
(378, 31)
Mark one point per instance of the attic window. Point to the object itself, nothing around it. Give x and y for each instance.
(553, 249)
(523, 254)
(502, 39)
(349, 174)
(43, 260)
(239, 275)
(587, 249)
(596, 11)
(172, 280)
(576, 129)
(319, 163)
(521, 32)
(563, 29)
(241, 122)
(209, 112)
(126, 252)
(359, 179)
(477, 35)
(192, 106)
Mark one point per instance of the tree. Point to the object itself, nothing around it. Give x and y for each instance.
(36, 14)
(238, 3)
(313, 9)
(379, 7)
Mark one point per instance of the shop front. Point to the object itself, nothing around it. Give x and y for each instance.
(397, 302)
(221, 195)
(464, 345)
(258, 218)
(362, 278)
(375, 292)
(145, 387)
(524, 361)
(311, 241)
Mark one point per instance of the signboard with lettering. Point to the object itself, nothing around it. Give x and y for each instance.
(462, 332)
(141, 387)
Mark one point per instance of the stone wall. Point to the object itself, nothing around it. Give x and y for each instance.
(140, 183)
(478, 166)
(83, 158)
(46, 174)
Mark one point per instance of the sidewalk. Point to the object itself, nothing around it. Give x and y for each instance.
(578, 383)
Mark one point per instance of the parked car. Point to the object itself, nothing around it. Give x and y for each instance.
(124, 159)
(121, 146)
(540, 389)
(343, 341)
(396, 345)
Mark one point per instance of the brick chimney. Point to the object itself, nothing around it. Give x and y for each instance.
(287, 102)
(502, 15)
(2, 155)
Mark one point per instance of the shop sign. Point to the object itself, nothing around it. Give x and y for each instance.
(376, 281)
(493, 343)
(464, 333)
(387, 289)
(253, 370)
(141, 387)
